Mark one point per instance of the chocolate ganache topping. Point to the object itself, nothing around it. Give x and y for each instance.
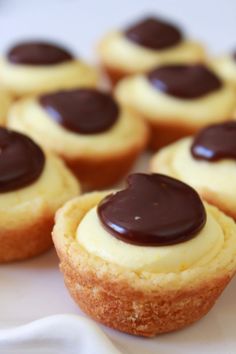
(154, 210)
(38, 53)
(216, 142)
(21, 161)
(154, 33)
(184, 81)
(84, 111)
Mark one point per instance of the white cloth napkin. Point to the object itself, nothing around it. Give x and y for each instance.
(57, 334)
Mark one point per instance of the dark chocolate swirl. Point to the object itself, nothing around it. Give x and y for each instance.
(84, 111)
(21, 161)
(154, 33)
(38, 53)
(184, 81)
(216, 142)
(154, 210)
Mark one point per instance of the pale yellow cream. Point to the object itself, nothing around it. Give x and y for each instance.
(27, 116)
(119, 53)
(43, 197)
(217, 177)
(25, 79)
(5, 103)
(225, 67)
(137, 93)
(200, 250)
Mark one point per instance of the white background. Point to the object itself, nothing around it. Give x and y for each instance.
(79, 23)
(33, 289)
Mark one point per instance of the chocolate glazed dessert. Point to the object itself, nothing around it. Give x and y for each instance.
(153, 33)
(21, 161)
(185, 83)
(38, 53)
(93, 117)
(122, 268)
(33, 185)
(215, 142)
(32, 68)
(154, 210)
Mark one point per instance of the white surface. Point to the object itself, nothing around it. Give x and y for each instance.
(34, 289)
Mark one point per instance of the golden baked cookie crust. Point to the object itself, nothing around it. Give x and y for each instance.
(28, 241)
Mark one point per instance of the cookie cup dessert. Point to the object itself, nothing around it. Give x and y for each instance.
(206, 161)
(146, 44)
(129, 283)
(177, 100)
(33, 185)
(98, 139)
(35, 67)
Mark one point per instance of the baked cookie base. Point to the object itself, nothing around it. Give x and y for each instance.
(97, 173)
(114, 75)
(27, 242)
(164, 134)
(136, 312)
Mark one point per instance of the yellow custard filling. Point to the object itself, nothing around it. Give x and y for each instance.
(225, 67)
(200, 250)
(26, 79)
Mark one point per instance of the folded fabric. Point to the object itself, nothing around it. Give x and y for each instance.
(58, 334)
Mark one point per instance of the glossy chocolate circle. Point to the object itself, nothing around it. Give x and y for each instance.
(184, 81)
(154, 33)
(154, 210)
(38, 53)
(21, 161)
(84, 111)
(215, 142)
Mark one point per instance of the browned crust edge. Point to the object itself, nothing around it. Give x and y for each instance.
(114, 75)
(118, 305)
(99, 172)
(163, 134)
(27, 242)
